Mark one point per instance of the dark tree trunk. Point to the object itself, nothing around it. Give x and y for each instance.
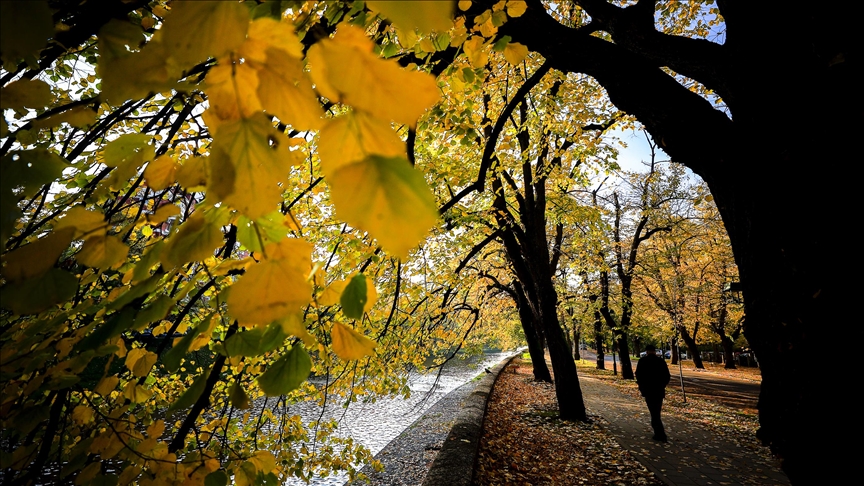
(728, 352)
(577, 337)
(673, 347)
(598, 341)
(692, 347)
(532, 336)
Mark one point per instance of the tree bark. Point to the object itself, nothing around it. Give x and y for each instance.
(532, 336)
(692, 347)
(728, 353)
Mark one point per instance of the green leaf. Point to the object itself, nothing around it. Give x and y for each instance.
(116, 324)
(190, 396)
(354, 297)
(35, 295)
(287, 373)
(255, 341)
(501, 43)
(216, 478)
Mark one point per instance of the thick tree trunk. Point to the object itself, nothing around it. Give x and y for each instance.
(728, 352)
(673, 348)
(567, 389)
(535, 347)
(692, 347)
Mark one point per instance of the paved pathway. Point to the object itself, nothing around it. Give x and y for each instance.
(693, 455)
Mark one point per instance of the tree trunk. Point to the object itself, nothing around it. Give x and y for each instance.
(535, 348)
(692, 347)
(577, 336)
(673, 348)
(728, 352)
(598, 341)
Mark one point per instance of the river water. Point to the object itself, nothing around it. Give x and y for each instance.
(375, 424)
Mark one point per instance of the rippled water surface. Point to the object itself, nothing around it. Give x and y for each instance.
(375, 424)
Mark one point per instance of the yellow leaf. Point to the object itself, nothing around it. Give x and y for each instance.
(193, 173)
(160, 173)
(285, 91)
(515, 53)
(136, 393)
(139, 361)
(515, 8)
(102, 251)
(82, 414)
(274, 287)
(264, 461)
(231, 90)
(464, 5)
(106, 385)
(476, 51)
(330, 295)
(88, 473)
(350, 72)
(195, 240)
(353, 137)
(121, 347)
(349, 344)
(245, 169)
(134, 75)
(425, 16)
(86, 223)
(229, 265)
(36, 258)
(163, 213)
(80, 117)
(204, 336)
(148, 22)
(128, 475)
(266, 32)
(156, 429)
(25, 93)
(386, 197)
(293, 325)
(197, 30)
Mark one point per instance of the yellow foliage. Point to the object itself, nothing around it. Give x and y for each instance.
(276, 286)
(346, 70)
(349, 344)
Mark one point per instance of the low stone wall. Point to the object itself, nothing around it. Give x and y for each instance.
(454, 464)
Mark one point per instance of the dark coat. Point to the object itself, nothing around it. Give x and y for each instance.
(652, 375)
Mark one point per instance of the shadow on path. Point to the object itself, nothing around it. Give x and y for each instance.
(693, 455)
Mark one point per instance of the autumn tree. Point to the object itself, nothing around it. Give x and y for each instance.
(662, 63)
(185, 233)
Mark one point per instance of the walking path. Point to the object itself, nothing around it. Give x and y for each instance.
(693, 455)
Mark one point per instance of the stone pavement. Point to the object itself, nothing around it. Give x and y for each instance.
(693, 455)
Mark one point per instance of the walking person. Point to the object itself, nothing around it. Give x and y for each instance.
(652, 376)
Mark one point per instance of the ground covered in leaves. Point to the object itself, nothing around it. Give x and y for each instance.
(525, 443)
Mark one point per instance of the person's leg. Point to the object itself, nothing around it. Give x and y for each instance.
(655, 403)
